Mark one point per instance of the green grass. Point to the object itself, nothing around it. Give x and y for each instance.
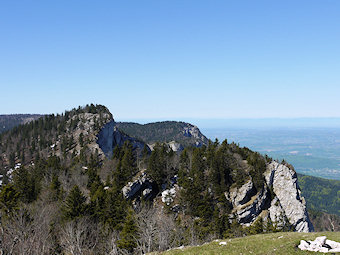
(274, 243)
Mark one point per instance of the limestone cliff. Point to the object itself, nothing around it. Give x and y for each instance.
(283, 180)
(110, 136)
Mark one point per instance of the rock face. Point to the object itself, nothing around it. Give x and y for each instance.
(242, 195)
(193, 131)
(109, 137)
(247, 203)
(176, 146)
(283, 181)
(141, 187)
(277, 214)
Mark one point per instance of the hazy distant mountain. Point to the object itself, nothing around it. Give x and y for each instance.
(9, 121)
(165, 131)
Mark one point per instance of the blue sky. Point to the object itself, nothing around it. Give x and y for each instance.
(172, 59)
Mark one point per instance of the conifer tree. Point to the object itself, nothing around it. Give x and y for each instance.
(74, 205)
(129, 233)
(157, 164)
(9, 198)
(56, 189)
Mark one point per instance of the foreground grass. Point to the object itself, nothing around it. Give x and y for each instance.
(274, 243)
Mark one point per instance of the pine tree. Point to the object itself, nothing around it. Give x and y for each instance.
(157, 164)
(9, 198)
(129, 233)
(56, 189)
(74, 205)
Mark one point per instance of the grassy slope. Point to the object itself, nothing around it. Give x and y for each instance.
(274, 243)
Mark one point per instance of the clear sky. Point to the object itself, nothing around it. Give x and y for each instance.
(172, 59)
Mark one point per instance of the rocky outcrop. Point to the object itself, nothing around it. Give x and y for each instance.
(280, 197)
(110, 136)
(141, 187)
(193, 131)
(169, 195)
(283, 182)
(176, 146)
(243, 194)
(247, 204)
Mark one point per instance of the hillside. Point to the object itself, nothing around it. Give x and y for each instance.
(270, 244)
(7, 122)
(166, 131)
(77, 174)
(321, 194)
(324, 221)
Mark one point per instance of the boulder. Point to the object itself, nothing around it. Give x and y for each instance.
(320, 244)
(169, 195)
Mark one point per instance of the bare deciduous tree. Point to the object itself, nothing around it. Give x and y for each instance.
(26, 232)
(79, 237)
(157, 230)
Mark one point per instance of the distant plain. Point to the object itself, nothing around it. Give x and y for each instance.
(311, 150)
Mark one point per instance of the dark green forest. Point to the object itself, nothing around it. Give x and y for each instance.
(321, 194)
(165, 131)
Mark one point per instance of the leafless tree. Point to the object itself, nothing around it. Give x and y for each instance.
(27, 232)
(79, 237)
(157, 229)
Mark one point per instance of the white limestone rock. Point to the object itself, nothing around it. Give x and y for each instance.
(175, 146)
(320, 244)
(283, 180)
(141, 186)
(243, 194)
(109, 137)
(276, 213)
(169, 195)
(247, 208)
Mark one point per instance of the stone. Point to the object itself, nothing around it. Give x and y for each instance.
(248, 212)
(303, 245)
(334, 250)
(222, 243)
(168, 195)
(321, 240)
(320, 244)
(333, 244)
(176, 146)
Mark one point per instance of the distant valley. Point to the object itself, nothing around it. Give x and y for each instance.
(312, 151)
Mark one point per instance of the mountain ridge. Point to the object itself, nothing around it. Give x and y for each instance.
(202, 192)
